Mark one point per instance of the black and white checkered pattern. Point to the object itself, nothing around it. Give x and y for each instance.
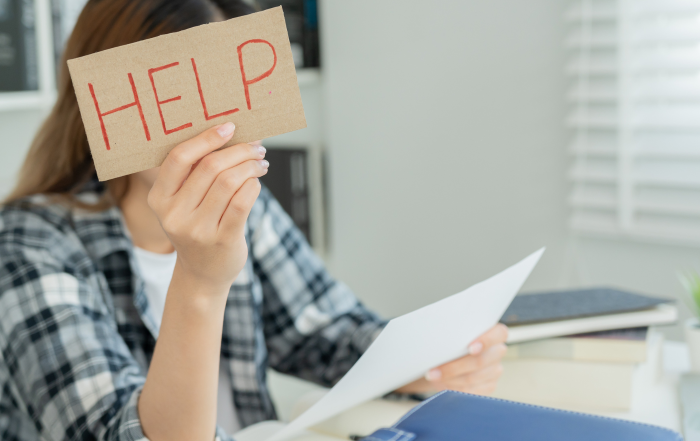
(77, 333)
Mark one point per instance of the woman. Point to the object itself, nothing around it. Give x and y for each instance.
(87, 268)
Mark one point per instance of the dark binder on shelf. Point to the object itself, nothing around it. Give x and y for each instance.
(288, 182)
(19, 69)
(302, 24)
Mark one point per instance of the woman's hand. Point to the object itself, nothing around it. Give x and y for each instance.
(202, 198)
(476, 373)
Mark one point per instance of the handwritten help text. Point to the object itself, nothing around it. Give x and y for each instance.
(161, 101)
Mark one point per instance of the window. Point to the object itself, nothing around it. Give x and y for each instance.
(634, 96)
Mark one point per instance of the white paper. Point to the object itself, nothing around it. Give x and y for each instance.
(414, 343)
(263, 430)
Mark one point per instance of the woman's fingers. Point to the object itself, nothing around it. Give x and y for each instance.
(214, 165)
(226, 185)
(475, 380)
(488, 374)
(497, 334)
(179, 162)
(486, 349)
(236, 213)
(470, 363)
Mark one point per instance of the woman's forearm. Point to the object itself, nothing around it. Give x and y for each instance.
(202, 197)
(178, 401)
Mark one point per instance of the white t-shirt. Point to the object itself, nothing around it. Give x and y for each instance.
(157, 270)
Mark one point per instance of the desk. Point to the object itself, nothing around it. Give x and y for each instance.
(654, 398)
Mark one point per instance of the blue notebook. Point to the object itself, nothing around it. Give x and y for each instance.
(455, 416)
(565, 305)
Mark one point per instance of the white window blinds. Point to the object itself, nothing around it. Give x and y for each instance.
(634, 95)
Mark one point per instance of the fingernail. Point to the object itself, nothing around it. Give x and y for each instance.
(225, 130)
(433, 375)
(262, 149)
(264, 164)
(476, 347)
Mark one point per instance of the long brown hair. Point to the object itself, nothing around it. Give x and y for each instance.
(59, 162)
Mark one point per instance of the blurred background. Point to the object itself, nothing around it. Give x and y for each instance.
(447, 140)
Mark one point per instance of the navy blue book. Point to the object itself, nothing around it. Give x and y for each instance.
(456, 416)
(576, 303)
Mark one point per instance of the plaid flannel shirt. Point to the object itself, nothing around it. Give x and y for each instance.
(77, 333)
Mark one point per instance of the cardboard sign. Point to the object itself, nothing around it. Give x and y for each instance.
(140, 100)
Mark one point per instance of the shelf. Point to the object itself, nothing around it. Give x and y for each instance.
(11, 101)
(308, 76)
(43, 98)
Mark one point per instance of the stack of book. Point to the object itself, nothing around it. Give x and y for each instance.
(580, 350)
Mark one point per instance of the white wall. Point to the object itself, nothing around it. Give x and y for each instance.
(445, 131)
(445, 134)
(17, 129)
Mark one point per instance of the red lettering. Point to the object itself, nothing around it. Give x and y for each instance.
(247, 83)
(169, 100)
(201, 97)
(136, 103)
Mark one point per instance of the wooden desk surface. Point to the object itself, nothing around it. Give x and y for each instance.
(654, 397)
